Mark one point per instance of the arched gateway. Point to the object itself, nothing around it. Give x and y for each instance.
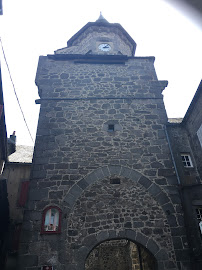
(112, 215)
(120, 254)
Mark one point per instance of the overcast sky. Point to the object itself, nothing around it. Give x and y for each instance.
(29, 28)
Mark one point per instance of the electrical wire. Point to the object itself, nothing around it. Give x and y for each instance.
(15, 90)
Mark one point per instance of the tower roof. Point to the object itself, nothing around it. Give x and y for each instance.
(101, 21)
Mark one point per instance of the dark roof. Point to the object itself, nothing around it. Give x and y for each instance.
(193, 102)
(102, 22)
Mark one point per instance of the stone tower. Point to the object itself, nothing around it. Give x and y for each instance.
(102, 181)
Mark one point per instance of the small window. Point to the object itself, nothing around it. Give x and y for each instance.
(199, 217)
(115, 181)
(199, 213)
(51, 220)
(186, 160)
(111, 128)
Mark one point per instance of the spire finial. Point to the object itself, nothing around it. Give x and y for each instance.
(101, 18)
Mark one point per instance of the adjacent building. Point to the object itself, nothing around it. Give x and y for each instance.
(4, 209)
(16, 174)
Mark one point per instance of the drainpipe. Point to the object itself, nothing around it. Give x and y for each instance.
(172, 156)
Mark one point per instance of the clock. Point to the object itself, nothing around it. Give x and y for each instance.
(104, 47)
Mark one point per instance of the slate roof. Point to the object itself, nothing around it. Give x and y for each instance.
(175, 120)
(23, 154)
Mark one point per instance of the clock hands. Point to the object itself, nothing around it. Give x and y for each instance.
(104, 47)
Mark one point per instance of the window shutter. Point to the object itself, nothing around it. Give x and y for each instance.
(23, 193)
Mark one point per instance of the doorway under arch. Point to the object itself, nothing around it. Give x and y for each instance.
(121, 254)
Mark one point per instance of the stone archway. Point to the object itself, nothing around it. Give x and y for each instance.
(155, 191)
(121, 209)
(120, 254)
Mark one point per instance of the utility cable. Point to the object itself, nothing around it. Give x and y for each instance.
(15, 91)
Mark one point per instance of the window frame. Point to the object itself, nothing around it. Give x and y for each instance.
(198, 213)
(184, 163)
(43, 231)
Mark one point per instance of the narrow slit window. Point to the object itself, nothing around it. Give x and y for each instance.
(111, 128)
(115, 181)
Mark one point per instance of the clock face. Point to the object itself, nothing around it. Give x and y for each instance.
(104, 47)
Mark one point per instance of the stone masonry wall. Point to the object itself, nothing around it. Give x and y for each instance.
(74, 153)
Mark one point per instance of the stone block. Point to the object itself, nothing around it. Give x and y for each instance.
(152, 246)
(168, 208)
(38, 194)
(154, 190)
(90, 241)
(162, 255)
(57, 195)
(105, 171)
(165, 172)
(130, 234)
(162, 198)
(112, 234)
(145, 182)
(70, 200)
(172, 221)
(141, 239)
(82, 184)
(138, 224)
(134, 175)
(114, 170)
(177, 242)
(125, 172)
(122, 234)
(99, 174)
(75, 191)
(102, 236)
